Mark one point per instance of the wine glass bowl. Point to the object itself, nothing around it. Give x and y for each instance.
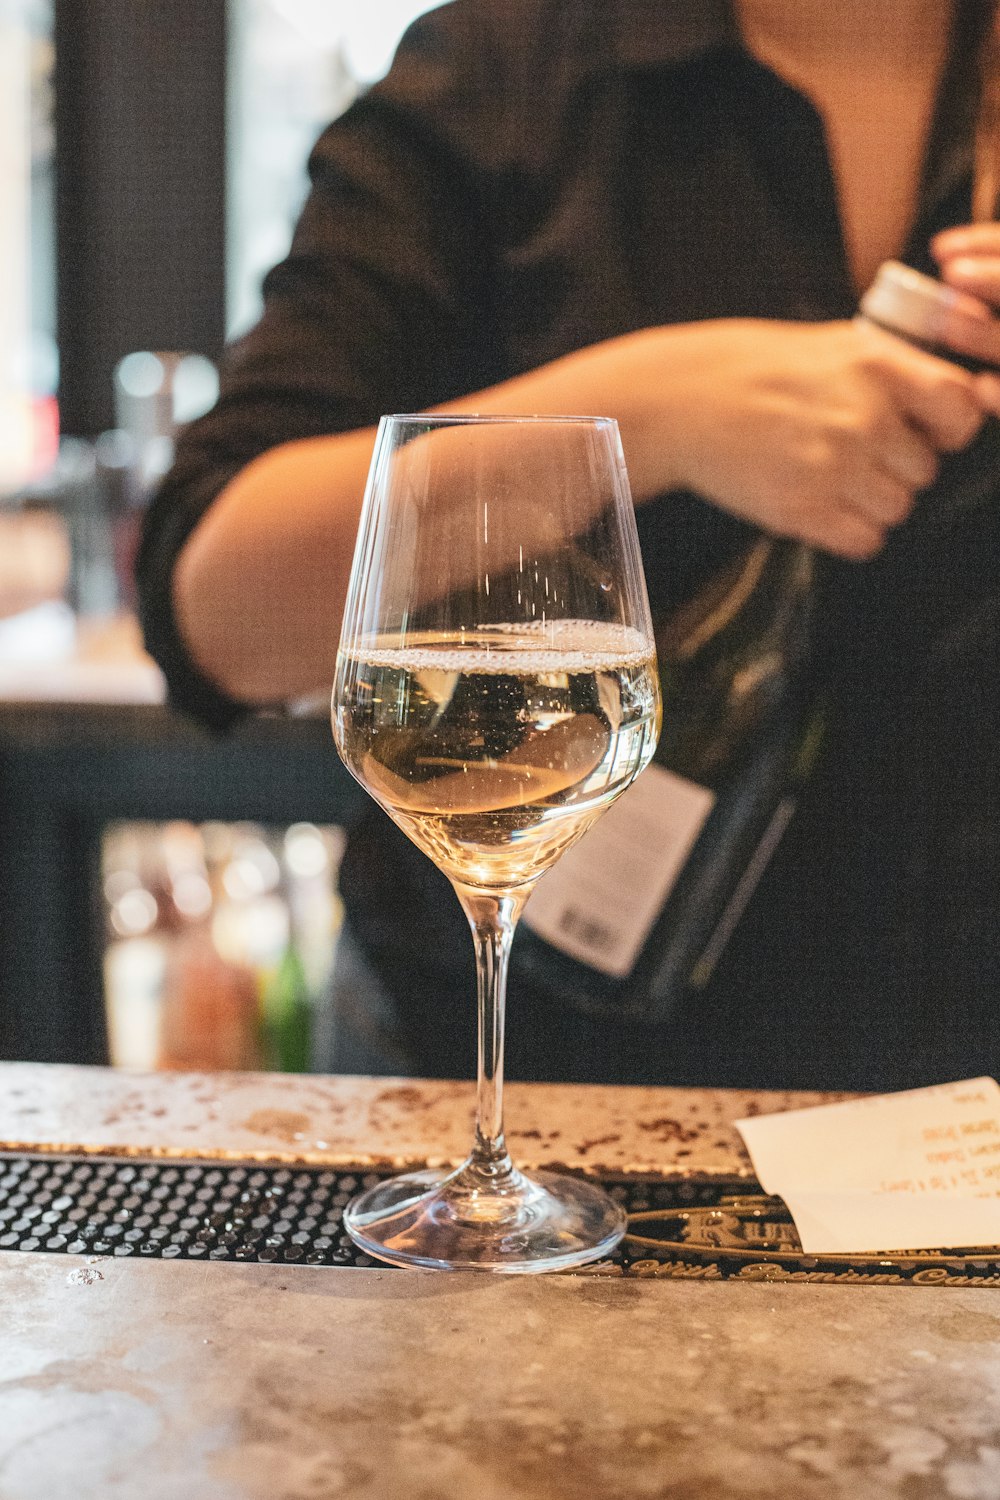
(495, 691)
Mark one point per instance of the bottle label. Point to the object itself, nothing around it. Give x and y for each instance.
(598, 904)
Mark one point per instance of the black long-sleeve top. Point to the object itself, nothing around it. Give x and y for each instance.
(534, 176)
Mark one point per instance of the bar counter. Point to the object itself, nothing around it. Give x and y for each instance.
(225, 1381)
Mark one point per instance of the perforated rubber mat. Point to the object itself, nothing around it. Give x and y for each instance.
(203, 1210)
(716, 1229)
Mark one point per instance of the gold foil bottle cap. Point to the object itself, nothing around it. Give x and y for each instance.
(914, 305)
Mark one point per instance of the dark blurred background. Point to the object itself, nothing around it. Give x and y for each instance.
(155, 162)
(165, 899)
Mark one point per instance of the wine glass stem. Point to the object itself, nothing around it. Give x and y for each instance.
(492, 919)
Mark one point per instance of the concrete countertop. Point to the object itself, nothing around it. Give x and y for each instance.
(232, 1382)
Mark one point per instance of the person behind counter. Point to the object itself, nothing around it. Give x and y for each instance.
(665, 214)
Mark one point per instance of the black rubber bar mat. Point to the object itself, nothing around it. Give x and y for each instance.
(711, 1229)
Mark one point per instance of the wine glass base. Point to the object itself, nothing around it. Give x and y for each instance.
(547, 1222)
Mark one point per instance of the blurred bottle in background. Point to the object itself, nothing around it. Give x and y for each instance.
(222, 940)
(154, 395)
(208, 1013)
(69, 533)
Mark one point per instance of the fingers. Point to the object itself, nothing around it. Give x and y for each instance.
(965, 325)
(904, 453)
(886, 446)
(909, 410)
(948, 411)
(897, 455)
(941, 401)
(856, 523)
(913, 405)
(837, 528)
(844, 532)
(969, 260)
(883, 500)
(978, 274)
(852, 512)
(877, 479)
(966, 239)
(987, 387)
(882, 491)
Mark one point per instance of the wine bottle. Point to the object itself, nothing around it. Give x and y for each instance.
(639, 912)
(641, 909)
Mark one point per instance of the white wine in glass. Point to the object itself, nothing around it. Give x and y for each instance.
(496, 690)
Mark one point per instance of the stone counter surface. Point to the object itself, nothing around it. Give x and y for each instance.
(227, 1382)
(193, 1381)
(383, 1121)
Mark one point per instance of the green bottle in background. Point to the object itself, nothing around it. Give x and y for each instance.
(287, 1013)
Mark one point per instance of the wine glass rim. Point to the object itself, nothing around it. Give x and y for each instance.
(465, 419)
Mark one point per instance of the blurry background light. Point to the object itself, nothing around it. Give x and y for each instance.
(141, 374)
(134, 913)
(294, 65)
(368, 34)
(306, 852)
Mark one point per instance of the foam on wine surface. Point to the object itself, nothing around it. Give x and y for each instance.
(569, 646)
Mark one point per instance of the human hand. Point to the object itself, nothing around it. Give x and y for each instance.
(969, 260)
(824, 432)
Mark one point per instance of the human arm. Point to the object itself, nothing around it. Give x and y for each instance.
(823, 432)
(405, 290)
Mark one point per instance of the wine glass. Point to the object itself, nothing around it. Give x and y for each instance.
(496, 690)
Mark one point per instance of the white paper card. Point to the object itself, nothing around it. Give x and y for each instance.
(918, 1170)
(599, 902)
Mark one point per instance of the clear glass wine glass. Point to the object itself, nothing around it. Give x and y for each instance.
(496, 690)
